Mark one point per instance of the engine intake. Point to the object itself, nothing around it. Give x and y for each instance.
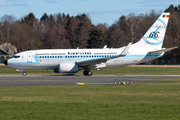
(67, 68)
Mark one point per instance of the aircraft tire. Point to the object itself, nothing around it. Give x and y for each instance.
(85, 73)
(24, 73)
(89, 73)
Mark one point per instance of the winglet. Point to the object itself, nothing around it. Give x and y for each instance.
(125, 51)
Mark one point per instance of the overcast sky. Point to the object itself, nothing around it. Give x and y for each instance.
(100, 11)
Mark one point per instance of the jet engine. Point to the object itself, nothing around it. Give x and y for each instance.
(67, 68)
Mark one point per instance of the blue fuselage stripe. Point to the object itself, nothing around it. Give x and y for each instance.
(76, 58)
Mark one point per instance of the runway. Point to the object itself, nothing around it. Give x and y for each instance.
(70, 80)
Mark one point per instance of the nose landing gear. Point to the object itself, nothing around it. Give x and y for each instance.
(22, 70)
(24, 73)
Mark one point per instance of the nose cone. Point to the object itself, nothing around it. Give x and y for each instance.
(6, 62)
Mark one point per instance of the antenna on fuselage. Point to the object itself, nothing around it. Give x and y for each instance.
(105, 47)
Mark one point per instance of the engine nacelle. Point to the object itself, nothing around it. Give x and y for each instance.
(67, 68)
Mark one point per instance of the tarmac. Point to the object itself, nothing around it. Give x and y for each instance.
(39, 80)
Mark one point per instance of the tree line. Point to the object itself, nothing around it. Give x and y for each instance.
(62, 31)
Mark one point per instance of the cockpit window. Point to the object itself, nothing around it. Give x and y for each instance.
(15, 56)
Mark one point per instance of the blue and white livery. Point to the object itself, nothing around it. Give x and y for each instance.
(72, 60)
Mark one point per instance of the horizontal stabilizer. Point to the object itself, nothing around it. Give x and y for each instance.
(163, 50)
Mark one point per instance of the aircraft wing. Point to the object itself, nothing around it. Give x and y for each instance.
(162, 50)
(93, 62)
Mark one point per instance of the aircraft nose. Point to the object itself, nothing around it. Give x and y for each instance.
(6, 62)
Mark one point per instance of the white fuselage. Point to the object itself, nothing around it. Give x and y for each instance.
(50, 58)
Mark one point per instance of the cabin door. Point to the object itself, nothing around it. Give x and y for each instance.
(29, 57)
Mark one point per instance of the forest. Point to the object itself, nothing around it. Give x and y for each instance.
(62, 31)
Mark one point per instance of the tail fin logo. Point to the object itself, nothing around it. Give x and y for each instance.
(155, 35)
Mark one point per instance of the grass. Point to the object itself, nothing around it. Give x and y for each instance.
(5, 70)
(92, 102)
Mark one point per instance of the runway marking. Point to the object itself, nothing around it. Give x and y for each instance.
(5, 80)
(80, 83)
(95, 83)
(100, 83)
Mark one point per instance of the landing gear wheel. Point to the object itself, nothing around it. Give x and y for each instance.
(90, 73)
(87, 72)
(24, 73)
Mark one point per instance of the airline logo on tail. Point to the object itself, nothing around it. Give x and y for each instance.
(155, 34)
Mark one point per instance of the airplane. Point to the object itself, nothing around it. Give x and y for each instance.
(149, 47)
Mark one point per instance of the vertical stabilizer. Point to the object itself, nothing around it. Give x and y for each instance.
(154, 37)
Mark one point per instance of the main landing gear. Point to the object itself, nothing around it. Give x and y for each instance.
(87, 72)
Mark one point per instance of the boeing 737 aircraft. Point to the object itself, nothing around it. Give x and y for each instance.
(72, 60)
